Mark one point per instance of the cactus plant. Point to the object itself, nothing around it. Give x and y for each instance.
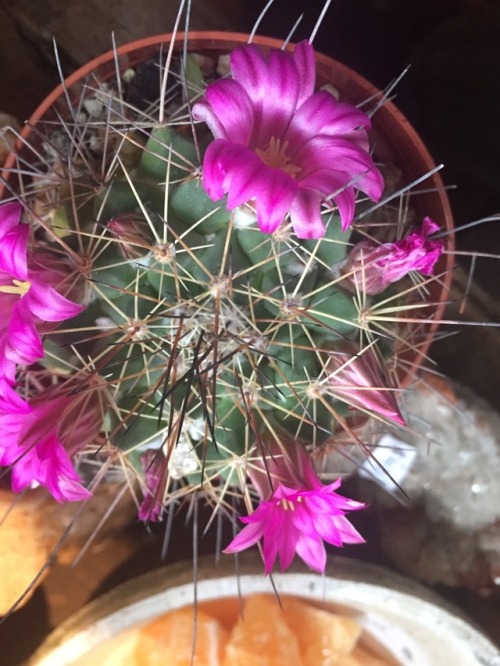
(216, 343)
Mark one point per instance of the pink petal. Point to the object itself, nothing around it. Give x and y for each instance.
(22, 341)
(323, 153)
(274, 198)
(229, 108)
(246, 180)
(48, 305)
(10, 214)
(343, 196)
(248, 537)
(359, 380)
(154, 467)
(49, 465)
(321, 114)
(13, 414)
(273, 86)
(220, 159)
(429, 227)
(233, 169)
(13, 246)
(347, 533)
(305, 63)
(305, 214)
(287, 546)
(270, 550)
(312, 552)
(203, 111)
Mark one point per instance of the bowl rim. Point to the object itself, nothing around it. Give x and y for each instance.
(353, 582)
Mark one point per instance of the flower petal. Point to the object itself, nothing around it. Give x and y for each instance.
(219, 159)
(329, 185)
(305, 214)
(305, 63)
(273, 86)
(312, 552)
(246, 180)
(22, 342)
(228, 111)
(13, 247)
(248, 536)
(321, 114)
(49, 465)
(48, 305)
(359, 380)
(13, 414)
(274, 199)
(334, 153)
(346, 531)
(289, 535)
(10, 214)
(202, 111)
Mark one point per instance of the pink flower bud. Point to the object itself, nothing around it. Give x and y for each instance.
(154, 465)
(359, 380)
(371, 267)
(133, 233)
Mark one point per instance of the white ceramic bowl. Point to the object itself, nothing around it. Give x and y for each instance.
(401, 619)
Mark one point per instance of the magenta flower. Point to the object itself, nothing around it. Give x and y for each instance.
(372, 267)
(279, 143)
(297, 520)
(39, 438)
(359, 380)
(25, 298)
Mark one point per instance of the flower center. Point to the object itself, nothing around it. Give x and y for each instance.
(19, 287)
(275, 156)
(286, 504)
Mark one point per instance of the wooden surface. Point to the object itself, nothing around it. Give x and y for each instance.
(82, 28)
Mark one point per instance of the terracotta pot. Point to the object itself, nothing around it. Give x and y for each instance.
(402, 622)
(395, 139)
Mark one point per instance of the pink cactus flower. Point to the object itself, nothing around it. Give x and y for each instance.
(371, 267)
(299, 519)
(40, 437)
(359, 379)
(25, 298)
(279, 143)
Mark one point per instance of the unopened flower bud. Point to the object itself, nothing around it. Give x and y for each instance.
(359, 380)
(154, 465)
(133, 235)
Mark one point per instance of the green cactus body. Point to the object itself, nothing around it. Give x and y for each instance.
(206, 331)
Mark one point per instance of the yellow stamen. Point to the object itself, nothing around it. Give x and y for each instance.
(286, 504)
(275, 157)
(19, 287)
